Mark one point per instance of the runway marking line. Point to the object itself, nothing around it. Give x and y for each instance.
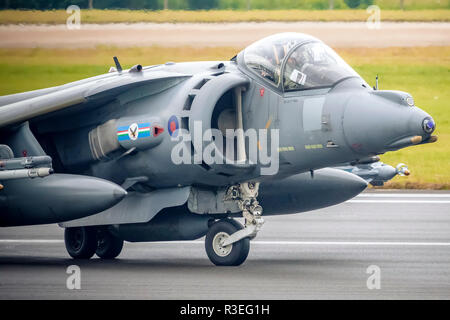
(399, 201)
(328, 243)
(403, 195)
(30, 241)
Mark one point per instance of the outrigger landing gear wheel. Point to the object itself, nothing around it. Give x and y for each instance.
(231, 255)
(108, 246)
(81, 242)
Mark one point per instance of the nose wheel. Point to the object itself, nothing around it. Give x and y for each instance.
(227, 241)
(233, 254)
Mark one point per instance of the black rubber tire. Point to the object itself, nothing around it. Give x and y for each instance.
(81, 242)
(239, 251)
(109, 246)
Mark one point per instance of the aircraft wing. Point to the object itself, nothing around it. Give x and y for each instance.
(87, 93)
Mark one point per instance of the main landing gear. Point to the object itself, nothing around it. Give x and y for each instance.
(227, 242)
(84, 242)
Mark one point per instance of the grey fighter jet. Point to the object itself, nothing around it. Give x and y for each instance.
(179, 151)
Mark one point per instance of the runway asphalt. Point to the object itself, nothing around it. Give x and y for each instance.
(322, 254)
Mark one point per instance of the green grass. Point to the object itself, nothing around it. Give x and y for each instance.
(413, 4)
(324, 4)
(134, 16)
(423, 72)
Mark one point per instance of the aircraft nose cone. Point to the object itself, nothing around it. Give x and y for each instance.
(377, 122)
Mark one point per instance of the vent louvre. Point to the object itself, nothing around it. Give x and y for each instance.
(185, 123)
(201, 84)
(188, 103)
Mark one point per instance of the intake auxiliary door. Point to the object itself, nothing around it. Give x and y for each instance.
(260, 108)
(305, 127)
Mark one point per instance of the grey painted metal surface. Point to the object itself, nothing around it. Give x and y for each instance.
(376, 173)
(306, 191)
(136, 208)
(121, 129)
(172, 224)
(55, 198)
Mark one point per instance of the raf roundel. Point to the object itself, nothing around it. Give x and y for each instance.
(173, 126)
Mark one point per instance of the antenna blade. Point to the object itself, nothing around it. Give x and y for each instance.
(118, 66)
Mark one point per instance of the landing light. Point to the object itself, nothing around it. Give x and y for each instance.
(428, 125)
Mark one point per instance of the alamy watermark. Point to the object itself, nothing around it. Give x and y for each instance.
(211, 147)
(374, 280)
(73, 22)
(73, 281)
(374, 20)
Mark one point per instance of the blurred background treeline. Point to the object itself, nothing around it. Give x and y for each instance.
(225, 4)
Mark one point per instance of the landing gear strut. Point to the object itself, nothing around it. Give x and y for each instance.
(227, 242)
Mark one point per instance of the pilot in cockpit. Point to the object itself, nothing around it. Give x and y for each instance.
(306, 65)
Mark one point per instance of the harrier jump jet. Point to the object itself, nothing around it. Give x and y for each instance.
(178, 151)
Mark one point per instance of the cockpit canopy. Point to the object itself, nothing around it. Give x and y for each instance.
(296, 61)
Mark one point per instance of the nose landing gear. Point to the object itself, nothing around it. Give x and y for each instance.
(227, 242)
(226, 255)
